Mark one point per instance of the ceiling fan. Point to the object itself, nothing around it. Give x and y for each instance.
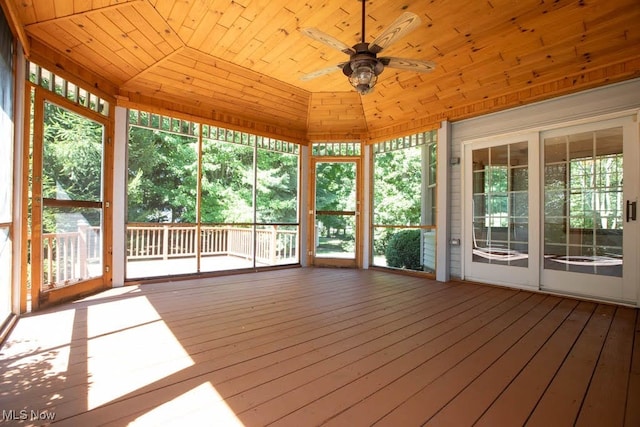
(364, 67)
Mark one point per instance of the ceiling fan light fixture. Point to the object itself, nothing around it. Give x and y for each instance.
(363, 77)
(364, 66)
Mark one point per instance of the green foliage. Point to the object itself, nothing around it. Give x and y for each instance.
(335, 191)
(381, 240)
(403, 250)
(277, 187)
(397, 187)
(162, 177)
(163, 181)
(72, 164)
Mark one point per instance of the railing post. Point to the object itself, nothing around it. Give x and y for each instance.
(165, 242)
(82, 252)
(49, 258)
(274, 244)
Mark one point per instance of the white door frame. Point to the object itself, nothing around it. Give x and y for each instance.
(518, 277)
(629, 290)
(620, 289)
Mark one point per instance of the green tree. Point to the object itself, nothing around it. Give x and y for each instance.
(335, 191)
(277, 187)
(72, 163)
(162, 172)
(163, 177)
(227, 183)
(397, 187)
(72, 166)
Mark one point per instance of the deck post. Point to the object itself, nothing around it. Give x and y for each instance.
(83, 247)
(165, 242)
(274, 245)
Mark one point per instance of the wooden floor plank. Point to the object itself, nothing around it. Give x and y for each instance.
(335, 347)
(561, 402)
(372, 365)
(427, 357)
(432, 396)
(268, 384)
(516, 402)
(606, 398)
(632, 413)
(219, 357)
(470, 403)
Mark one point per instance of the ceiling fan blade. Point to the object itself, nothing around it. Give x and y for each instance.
(325, 38)
(409, 64)
(399, 28)
(322, 72)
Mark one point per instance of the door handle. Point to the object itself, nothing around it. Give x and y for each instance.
(631, 210)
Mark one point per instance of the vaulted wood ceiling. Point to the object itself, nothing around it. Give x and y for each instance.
(239, 62)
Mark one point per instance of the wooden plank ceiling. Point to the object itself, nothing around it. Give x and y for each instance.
(239, 62)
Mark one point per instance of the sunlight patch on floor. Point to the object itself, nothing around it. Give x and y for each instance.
(51, 338)
(201, 406)
(129, 348)
(31, 367)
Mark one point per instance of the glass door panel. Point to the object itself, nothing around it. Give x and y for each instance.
(498, 248)
(335, 215)
(584, 209)
(588, 248)
(583, 238)
(501, 205)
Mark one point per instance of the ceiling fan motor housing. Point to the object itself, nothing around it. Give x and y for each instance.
(363, 69)
(362, 57)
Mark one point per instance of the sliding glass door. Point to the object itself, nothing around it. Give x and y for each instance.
(500, 214)
(590, 229)
(583, 238)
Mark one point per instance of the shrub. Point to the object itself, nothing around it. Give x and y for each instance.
(403, 250)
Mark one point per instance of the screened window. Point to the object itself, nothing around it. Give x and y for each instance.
(404, 203)
(203, 198)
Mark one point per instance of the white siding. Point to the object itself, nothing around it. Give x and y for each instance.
(608, 100)
(429, 249)
(455, 187)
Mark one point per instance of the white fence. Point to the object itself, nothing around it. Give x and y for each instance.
(72, 256)
(164, 241)
(68, 256)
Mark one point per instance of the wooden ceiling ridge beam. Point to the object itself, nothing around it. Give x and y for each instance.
(13, 18)
(152, 67)
(99, 9)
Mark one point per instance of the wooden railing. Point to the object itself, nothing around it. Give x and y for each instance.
(166, 241)
(67, 256)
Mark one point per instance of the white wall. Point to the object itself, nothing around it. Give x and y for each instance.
(303, 203)
(119, 196)
(19, 152)
(543, 115)
(445, 210)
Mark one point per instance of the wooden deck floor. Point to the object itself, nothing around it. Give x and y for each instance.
(341, 347)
